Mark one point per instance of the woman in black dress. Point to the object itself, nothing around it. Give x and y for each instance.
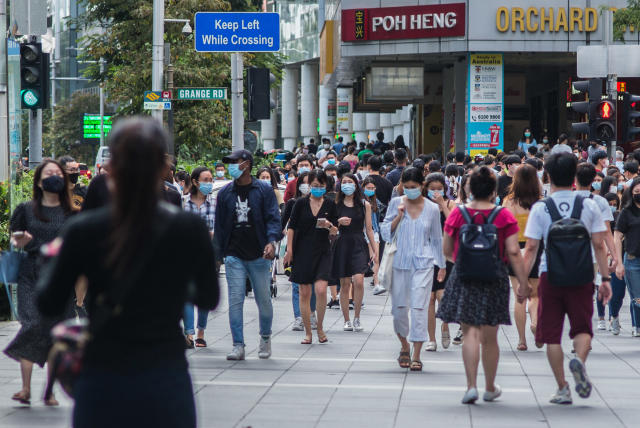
(34, 224)
(309, 250)
(351, 257)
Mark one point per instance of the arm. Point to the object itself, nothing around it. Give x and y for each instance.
(435, 239)
(530, 254)
(369, 227)
(447, 246)
(513, 252)
(611, 247)
(288, 256)
(386, 230)
(206, 291)
(617, 239)
(600, 248)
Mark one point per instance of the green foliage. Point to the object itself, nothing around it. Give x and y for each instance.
(11, 195)
(202, 128)
(623, 19)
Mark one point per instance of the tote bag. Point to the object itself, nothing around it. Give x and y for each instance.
(385, 272)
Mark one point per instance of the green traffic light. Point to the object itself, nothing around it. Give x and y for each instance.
(30, 97)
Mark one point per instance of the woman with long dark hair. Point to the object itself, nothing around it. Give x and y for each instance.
(34, 224)
(351, 256)
(378, 211)
(127, 379)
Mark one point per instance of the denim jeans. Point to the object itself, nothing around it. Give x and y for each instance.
(295, 299)
(259, 272)
(189, 319)
(617, 296)
(632, 278)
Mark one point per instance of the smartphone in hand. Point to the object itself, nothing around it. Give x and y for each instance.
(320, 224)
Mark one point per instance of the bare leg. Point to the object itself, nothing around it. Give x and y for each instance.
(519, 313)
(333, 289)
(358, 294)
(321, 305)
(376, 264)
(556, 361)
(26, 369)
(82, 284)
(50, 399)
(417, 348)
(533, 303)
(345, 288)
(445, 326)
(404, 343)
(471, 353)
(490, 354)
(305, 309)
(582, 344)
(431, 314)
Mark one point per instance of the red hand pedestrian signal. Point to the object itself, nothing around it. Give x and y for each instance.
(605, 110)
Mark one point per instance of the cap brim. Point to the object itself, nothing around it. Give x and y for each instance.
(228, 159)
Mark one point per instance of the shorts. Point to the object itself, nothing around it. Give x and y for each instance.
(556, 302)
(440, 285)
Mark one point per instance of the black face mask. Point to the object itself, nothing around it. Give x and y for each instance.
(73, 177)
(53, 184)
(636, 198)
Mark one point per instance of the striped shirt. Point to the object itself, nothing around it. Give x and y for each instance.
(207, 211)
(419, 241)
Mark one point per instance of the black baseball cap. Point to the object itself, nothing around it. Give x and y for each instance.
(237, 155)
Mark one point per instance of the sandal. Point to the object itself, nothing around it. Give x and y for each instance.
(323, 339)
(404, 360)
(416, 366)
(522, 347)
(22, 399)
(201, 343)
(189, 343)
(306, 341)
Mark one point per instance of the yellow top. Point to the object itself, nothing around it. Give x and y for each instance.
(522, 224)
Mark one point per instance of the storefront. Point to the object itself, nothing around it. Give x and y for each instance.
(489, 68)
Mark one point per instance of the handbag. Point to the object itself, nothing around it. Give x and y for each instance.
(10, 262)
(385, 272)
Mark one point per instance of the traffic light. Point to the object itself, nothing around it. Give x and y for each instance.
(629, 116)
(259, 102)
(34, 76)
(604, 122)
(592, 88)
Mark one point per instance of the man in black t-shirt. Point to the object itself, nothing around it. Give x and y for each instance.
(247, 228)
(511, 163)
(384, 188)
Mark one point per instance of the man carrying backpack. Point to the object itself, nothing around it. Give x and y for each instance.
(570, 225)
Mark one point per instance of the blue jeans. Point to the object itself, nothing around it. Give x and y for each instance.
(632, 278)
(189, 319)
(617, 296)
(295, 299)
(259, 272)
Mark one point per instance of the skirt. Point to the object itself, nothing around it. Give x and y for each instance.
(351, 256)
(437, 286)
(476, 303)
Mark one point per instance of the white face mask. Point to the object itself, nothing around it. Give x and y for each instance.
(266, 180)
(364, 174)
(613, 189)
(305, 189)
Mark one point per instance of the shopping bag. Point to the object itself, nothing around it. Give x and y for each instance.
(10, 262)
(385, 272)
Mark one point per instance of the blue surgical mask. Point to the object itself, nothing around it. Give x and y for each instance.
(432, 194)
(348, 188)
(613, 209)
(303, 169)
(318, 192)
(266, 180)
(331, 161)
(205, 188)
(220, 174)
(497, 200)
(527, 134)
(620, 187)
(413, 193)
(596, 185)
(234, 171)
(369, 193)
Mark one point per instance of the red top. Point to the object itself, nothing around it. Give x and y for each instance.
(505, 222)
(290, 191)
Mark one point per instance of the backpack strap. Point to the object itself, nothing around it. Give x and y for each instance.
(465, 214)
(591, 196)
(494, 214)
(553, 210)
(577, 207)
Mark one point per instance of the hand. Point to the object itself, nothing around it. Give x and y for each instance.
(22, 241)
(612, 266)
(620, 271)
(401, 210)
(524, 291)
(442, 274)
(344, 221)
(324, 224)
(604, 292)
(287, 258)
(269, 252)
(438, 198)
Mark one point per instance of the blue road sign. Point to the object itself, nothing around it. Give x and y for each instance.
(237, 32)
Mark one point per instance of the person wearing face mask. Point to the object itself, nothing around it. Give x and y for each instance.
(324, 151)
(511, 163)
(32, 225)
(220, 172)
(599, 159)
(526, 140)
(199, 201)
(351, 256)
(378, 211)
(594, 147)
(545, 147)
(246, 231)
(329, 159)
(77, 190)
(414, 223)
(303, 164)
(266, 175)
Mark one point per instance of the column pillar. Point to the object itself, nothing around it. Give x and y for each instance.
(460, 82)
(309, 102)
(290, 108)
(447, 108)
(387, 128)
(360, 127)
(373, 124)
(406, 128)
(327, 112)
(396, 121)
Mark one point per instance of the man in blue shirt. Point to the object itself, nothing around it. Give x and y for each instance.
(337, 147)
(401, 163)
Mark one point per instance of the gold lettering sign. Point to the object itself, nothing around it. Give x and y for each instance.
(554, 20)
(359, 24)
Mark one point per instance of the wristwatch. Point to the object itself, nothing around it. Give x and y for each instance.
(606, 278)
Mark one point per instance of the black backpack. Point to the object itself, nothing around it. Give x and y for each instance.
(478, 257)
(568, 247)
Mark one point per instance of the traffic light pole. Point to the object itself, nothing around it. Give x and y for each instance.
(35, 138)
(237, 105)
(4, 99)
(612, 92)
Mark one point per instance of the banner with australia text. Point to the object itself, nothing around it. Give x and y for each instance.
(485, 103)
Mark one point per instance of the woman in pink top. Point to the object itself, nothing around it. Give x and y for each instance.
(480, 307)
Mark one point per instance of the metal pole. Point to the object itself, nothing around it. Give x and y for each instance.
(4, 99)
(35, 138)
(612, 82)
(237, 106)
(170, 112)
(157, 58)
(101, 104)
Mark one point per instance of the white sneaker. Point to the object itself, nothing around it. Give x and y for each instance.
(492, 395)
(356, 325)
(470, 396)
(562, 396)
(635, 332)
(379, 289)
(298, 325)
(348, 326)
(602, 325)
(579, 371)
(615, 326)
(264, 349)
(236, 354)
(431, 347)
(314, 322)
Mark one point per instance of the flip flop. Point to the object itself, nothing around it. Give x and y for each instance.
(21, 398)
(201, 343)
(306, 341)
(522, 347)
(323, 339)
(416, 366)
(404, 359)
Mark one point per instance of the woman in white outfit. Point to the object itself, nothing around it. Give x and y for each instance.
(416, 222)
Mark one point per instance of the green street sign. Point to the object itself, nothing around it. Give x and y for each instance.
(201, 94)
(30, 97)
(91, 126)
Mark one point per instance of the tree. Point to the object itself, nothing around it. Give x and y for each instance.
(202, 128)
(626, 18)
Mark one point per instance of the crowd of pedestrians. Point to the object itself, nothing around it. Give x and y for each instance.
(451, 240)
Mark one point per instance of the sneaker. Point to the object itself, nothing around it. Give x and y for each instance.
(431, 347)
(81, 311)
(579, 371)
(348, 326)
(470, 396)
(492, 395)
(351, 304)
(264, 349)
(635, 332)
(314, 322)
(562, 396)
(298, 325)
(446, 339)
(236, 354)
(458, 339)
(615, 326)
(378, 290)
(332, 303)
(356, 325)
(602, 325)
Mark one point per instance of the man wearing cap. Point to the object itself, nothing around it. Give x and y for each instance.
(246, 230)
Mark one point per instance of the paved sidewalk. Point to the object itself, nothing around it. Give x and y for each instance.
(354, 381)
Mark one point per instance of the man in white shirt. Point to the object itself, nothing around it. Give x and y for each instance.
(557, 301)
